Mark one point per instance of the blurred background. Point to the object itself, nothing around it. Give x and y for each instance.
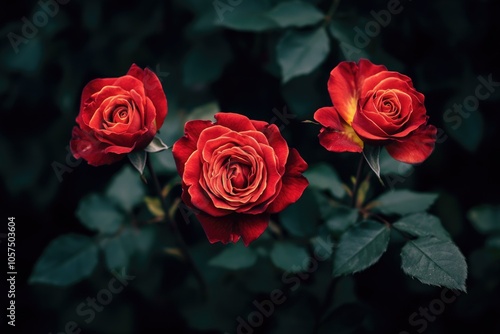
(270, 62)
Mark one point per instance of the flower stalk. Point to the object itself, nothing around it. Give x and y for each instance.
(175, 228)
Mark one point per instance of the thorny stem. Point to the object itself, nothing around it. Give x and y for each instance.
(178, 236)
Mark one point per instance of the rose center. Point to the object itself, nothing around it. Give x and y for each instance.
(120, 110)
(120, 114)
(237, 174)
(387, 103)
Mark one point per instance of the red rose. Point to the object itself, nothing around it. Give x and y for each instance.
(235, 173)
(378, 107)
(118, 116)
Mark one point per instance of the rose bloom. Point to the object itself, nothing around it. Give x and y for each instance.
(118, 116)
(235, 173)
(374, 106)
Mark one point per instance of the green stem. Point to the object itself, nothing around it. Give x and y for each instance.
(178, 236)
(356, 181)
(331, 12)
(331, 286)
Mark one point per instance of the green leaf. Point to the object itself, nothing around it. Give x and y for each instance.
(389, 165)
(118, 249)
(435, 262)
(144, 238)
(372, 157)
(300, 52)
(403, 202)
(66, 260)
(156, 145)
(323, 176)
(289, 257)
(422, 225)
(485, 218)
(98, 213)
(294, 90)
(138, 160)
(360, 247)
(322, 245)
(214, 51)
(341, 219)
(344, 34)
(295, 14)
(301, 217)
(126, 189)
(203, 24)
(235, 257)
(246, 16)
(115, 253)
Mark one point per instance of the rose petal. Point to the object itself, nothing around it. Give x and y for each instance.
(293, 183)
(231, 228)
(214, 171)
(85, 146)
(145, 111)
(210, 133)
(140, 138)
(136, 72)
(415, 148)
(259, 125)
(119, 149)
(92, 104)
(186, 145)
(154, 91)
(93, 87)
(235, 122)
(199, 198)
(336, 141)
(252, 227)
(128, 83)
(270, 187)
(345, 84)
(367, 69)
(279, 144)
(328, 117)
(336, 136)
(222, 137)
(379, 81)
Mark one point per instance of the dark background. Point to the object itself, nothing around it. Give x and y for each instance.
(442, 45)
